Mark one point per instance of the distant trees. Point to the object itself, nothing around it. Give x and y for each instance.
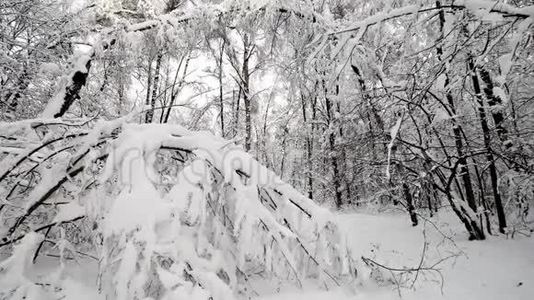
(430, 66)
(453, 78)
(453, 129)
(36, 38)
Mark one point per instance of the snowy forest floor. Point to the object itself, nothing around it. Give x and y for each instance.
(497, 268)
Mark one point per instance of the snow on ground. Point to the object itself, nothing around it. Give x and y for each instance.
(497, 268)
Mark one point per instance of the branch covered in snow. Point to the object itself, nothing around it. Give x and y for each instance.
(473, 5)
(222, 217)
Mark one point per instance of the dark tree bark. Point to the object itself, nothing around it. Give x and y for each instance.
(236, 105)
(246, 91)
(409, 203)
(148, 85)
(473, 228)
(72, 92)
(487, 144)
(309, 148)
(483, 202)
(176, 91)
(150, 113)
(333, 151)
(493, 101)
(372, 112)
(456, 128)
(343, 154)
(220, 75)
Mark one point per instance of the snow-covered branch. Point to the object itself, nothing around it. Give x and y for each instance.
(222, 215)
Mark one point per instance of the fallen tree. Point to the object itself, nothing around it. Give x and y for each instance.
(167, 213)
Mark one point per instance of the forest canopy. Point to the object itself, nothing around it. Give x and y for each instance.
(238, 127)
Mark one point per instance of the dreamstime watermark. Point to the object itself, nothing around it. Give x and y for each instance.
(196, 166)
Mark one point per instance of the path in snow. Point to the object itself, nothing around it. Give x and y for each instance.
(494, 269)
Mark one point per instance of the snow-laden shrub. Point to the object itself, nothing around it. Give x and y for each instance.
(518, 194)
(167, 213)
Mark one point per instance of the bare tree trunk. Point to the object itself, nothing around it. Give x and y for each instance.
(343, 155)
(309, 149)
(332, 151)
(148, 86)
(72, 92)
(409, 203)
(121, 96)
(456, 128)
(474, 231)
(178, 88)
(246, 92)
(483, 202)
(220, 75)
(493, 101)
(371, 111)
(487, 144)
(267, 160)
(284, 151)
(150, 113)
(237, 104)
(473, 228)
